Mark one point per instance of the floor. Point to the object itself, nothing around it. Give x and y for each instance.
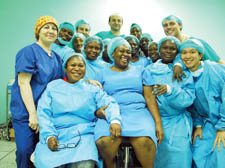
(7, 154)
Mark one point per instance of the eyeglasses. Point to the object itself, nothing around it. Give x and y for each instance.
(70, 145)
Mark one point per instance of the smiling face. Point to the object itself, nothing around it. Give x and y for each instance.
(75, 69)
(83, 29)
(144, 43)
(65, 34)
(115, 22)
(172, 28)
(48, 33)
(191, 58)
(136, 32)
(122, 56)
(168, 51)
(92, 50)
(153, 52)
(78, 44)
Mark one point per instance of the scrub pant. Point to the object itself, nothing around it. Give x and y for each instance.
(26, 140)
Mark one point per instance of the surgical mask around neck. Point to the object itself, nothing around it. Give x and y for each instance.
(61, 41)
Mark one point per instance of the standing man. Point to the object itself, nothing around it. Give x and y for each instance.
(115, 23)
(173, 26)
(82, 26)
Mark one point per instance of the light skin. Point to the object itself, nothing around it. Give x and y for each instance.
(192, 60)
(115, 23)
(92, 50)
(83, 29)
(46, 36)
(144, 146)
(136, 32)
(172, 28)
(78, 44)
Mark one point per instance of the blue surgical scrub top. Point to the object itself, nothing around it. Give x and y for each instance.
(33, 60)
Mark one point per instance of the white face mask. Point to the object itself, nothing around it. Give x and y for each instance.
(199, 71)
(61, 41)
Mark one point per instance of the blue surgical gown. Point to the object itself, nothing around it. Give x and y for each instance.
(210, 108)
(94, 67)
(175, 149)
(127, 87)
(107, 34)
(63, 110)
(62, 51)
(141, 62)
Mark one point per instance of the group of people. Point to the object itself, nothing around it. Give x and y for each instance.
(76, 97)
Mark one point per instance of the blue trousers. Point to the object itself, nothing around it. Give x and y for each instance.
(26, 140)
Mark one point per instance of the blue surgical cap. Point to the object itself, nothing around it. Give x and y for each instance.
(66, 58)
(132, 37)
(74, 37)
(114, 43)
(192, 43)
(92, 39)
(135, 25)
(146, 35)
(152, 42)
(174, 18)
(174, 39)
(81, 22)
(106, 41)
(66, 25)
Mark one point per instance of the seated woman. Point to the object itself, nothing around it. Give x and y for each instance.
(124, 82)
(173, 100)
(66, 114)
(209, 106)
(135, 57)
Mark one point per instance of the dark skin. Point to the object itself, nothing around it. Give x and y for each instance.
(134, 50)
(75, 70)
(65, 34)
(153, 52)
(168, 52)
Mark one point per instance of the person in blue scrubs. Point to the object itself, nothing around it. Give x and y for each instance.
(66, 114)
(82, 26)
(136, 60)
(141, 124)
(145, 39)
(115, 23)
(77, 42)
(173, 26)
(105, 56)
(173, 99)
(136, 30)
(209, 106)
(92, 52)
(153, 52)
(60, 46)
(36, 66)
